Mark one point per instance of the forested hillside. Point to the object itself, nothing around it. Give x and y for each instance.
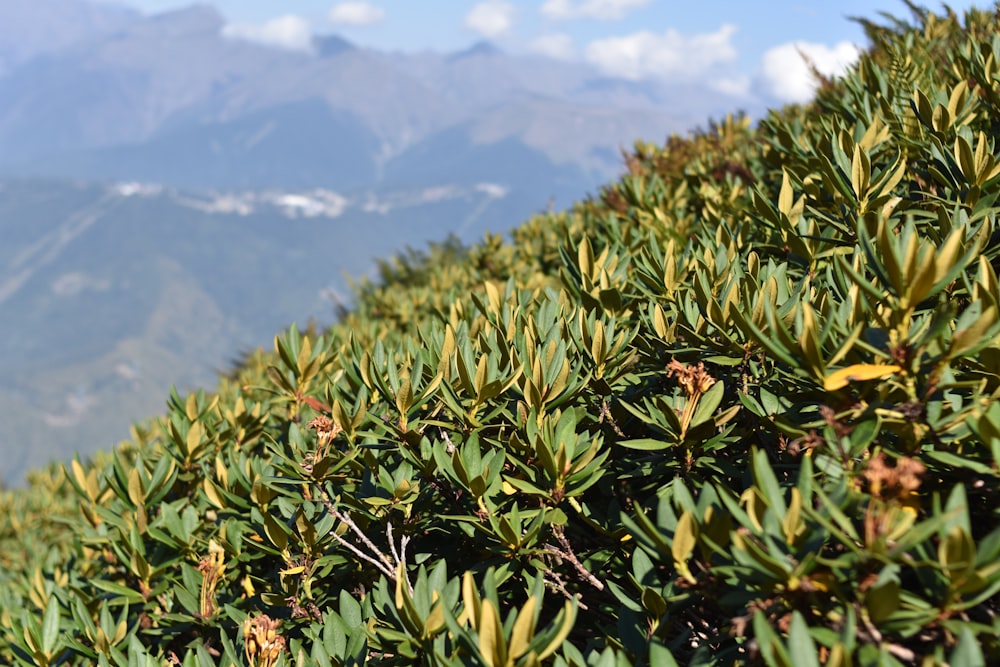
(739, 408)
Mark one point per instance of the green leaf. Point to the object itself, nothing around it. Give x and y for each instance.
(768, 483)
(130, 595)
(967, 652)
(801, 648)
(708, 404)
(646, 444)
(50, 627)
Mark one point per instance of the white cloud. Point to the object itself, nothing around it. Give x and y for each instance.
(670, 55)
(557, 45)
(491, 18)
(594, 9)
(735, 86)
(284, 32)
(785, 73)
(356, 13)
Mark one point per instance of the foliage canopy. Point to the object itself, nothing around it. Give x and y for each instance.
(738, 409)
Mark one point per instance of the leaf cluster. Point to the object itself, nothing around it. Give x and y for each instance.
(739, 408)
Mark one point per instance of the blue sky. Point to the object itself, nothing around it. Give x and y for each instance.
(735, 46)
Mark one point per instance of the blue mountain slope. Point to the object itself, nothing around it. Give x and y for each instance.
(300, 144)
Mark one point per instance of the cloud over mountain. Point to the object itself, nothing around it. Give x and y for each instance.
(557, 45)
(491, 18)
(669, 55)
(356, 13)
(593, 9)
(285, 32)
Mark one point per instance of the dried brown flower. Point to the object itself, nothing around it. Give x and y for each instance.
(695, 381)
(261, 642)
(325, 428)
(212, 567)
(899, 481)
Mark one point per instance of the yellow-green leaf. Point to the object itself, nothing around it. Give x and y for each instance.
(524, 629)
(859, 373)
(568, 619)
(472, 609)
(785, 195)
(492, 643)
(685, 538)
(135, 491)
(861, 173)
(792, 524)
(213, 494)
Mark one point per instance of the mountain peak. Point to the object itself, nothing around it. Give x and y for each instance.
(194, 18)
(328, 46)
(482, 48)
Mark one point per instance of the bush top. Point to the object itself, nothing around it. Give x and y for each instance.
(739, 408)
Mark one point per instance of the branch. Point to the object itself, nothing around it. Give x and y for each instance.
(383, 562)
(567, 554)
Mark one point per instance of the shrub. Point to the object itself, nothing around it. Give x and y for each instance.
(740, 408)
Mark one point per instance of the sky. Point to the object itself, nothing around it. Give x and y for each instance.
(739, 47)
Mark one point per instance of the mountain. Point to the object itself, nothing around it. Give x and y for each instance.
(29, 29)
(160, 182)
(162, 90)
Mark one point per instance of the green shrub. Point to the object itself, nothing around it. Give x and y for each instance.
(738, 409)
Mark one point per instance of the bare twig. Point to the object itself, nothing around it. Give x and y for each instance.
(380, 560)
(400, 554)
(449, 445)
(554, 581)
(392, 543)
(567, 554)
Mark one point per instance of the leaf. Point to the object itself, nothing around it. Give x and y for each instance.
(193, 439)
(660, 655)
(965, 158)
(685, 539)
(404, 397)
(213, 494)
(768, 484)
(861, 172)
(275, 532)
(967, 652)
(472, 604)
(135, 491)
(305, 354)
(957, 554)
(792, 524)
(707, 404)
(645, 444)
(50, 627)
(130, 595)
(801, 648)
(524, 629)
(785, 195)
(568, 616)
(585, 259)
(859, 373)
(883, 600)
(492, 643)
(447, 352)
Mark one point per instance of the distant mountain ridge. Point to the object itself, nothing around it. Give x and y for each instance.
(34, 27)
(135, 83)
